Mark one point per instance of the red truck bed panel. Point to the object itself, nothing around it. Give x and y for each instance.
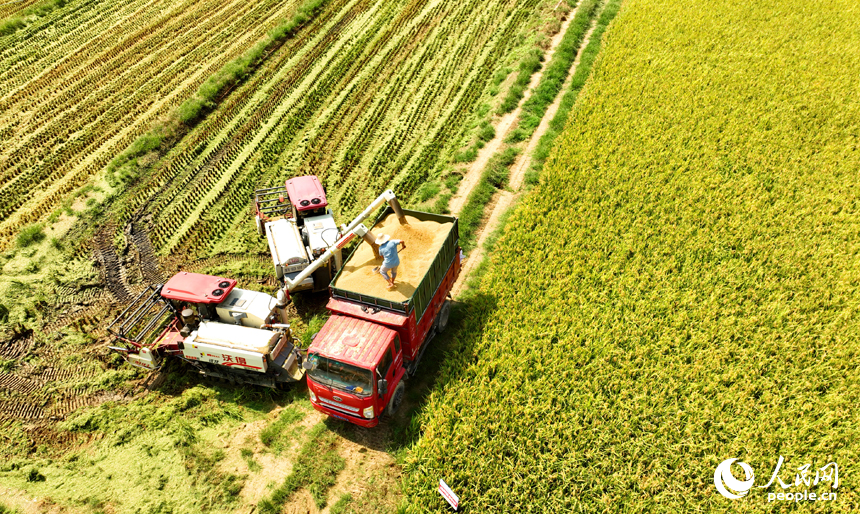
(368, 312)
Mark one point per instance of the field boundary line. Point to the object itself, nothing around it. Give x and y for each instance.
(504, 124)
(503, 200)
(518, 170)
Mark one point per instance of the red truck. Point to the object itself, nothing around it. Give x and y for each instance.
(358, 362)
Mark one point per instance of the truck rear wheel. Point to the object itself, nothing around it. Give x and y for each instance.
(395, 401)
(442, 320)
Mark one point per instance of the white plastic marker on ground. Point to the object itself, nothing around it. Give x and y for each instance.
(446, 492)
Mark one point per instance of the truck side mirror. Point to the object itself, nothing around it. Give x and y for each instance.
(382, 387)
(308, 365)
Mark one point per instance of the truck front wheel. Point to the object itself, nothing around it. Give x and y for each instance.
(395, 401)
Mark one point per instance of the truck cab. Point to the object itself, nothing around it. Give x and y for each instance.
(358, 363)
(349, 368)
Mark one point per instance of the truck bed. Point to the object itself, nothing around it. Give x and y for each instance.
(431, 241)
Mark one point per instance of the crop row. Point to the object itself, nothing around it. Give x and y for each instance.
(370, 99)
(90, 92)
(135, 71)
(12, 8)
(220, 169)
(273, 97)
(184, 172)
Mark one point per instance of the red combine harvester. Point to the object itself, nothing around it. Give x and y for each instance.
(302, 233)
(218, 329)
(299, 230)
(236, 334)
(358, 362)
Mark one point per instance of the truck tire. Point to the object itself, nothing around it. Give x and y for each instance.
(442, 319)
(395, 401)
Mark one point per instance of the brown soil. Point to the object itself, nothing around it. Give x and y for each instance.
(27, 505)
(423, 240)
(274, 468)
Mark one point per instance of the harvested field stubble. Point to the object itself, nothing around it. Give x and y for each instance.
(692, 286)
(423, 240)
(79, 85)
(317, 104)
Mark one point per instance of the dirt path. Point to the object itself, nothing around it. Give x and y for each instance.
(503, 126)
(523, 161)
(503, 200)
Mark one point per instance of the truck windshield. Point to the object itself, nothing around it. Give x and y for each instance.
(341, 375)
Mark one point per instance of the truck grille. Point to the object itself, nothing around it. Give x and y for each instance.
(339, 406)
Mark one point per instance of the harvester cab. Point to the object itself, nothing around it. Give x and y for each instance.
(300, 227)
(219, 329)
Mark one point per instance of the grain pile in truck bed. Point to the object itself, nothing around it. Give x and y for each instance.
(423, 240)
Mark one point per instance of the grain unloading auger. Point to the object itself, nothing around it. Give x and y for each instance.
(303, 236)
(220, 330)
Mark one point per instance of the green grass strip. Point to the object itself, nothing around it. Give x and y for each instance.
(495, 176)
(316, 468)
(530, 64)
(556, 72)
(580, 76)
(129, 164)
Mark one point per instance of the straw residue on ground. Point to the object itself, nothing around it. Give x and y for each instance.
(423, 240)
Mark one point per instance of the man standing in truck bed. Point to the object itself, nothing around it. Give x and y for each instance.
(390, 260)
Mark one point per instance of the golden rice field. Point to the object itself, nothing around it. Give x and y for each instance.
(681, 288)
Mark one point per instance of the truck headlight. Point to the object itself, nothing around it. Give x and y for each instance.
(368, 412)
(313, 396)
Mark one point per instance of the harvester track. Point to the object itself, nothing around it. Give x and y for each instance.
(148, 262)
(111, 268)
(17, 347)
(18, 384)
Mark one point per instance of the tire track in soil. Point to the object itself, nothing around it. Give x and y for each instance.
(110, 267)
(31, 398)
(147, 262)
(17, 347)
